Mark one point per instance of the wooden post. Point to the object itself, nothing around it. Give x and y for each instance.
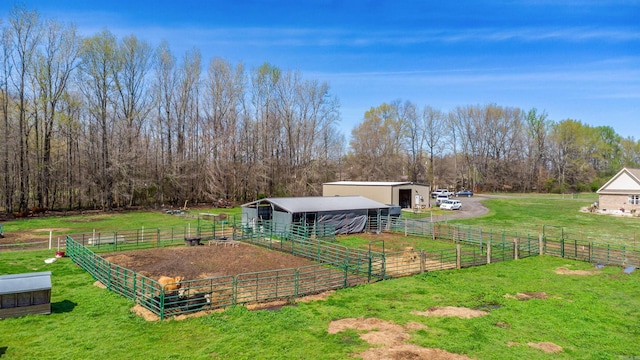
(540, 245)
(458, 256)
(489, 252)
(423, 264)
(515, 248)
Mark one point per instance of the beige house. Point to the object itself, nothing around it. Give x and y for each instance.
(403, 194)
(622, 192)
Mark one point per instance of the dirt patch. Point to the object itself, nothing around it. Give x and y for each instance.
(392, 337)
(565, 271)
(410, 352)
(144, 313)
(528, 295)
(464, 313)
(361, 324)
(548, 347)
(197, 262)
(316, 297)
(58, 230)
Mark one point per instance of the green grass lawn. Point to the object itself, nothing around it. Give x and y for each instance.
(61, 225)
(533, 214)
(590, 317)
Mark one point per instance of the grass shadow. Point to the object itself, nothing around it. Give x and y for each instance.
(63, 306)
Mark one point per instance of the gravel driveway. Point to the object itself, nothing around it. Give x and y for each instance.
(471, 207)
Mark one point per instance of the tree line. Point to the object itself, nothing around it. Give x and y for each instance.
(99, 122)
(487, 148)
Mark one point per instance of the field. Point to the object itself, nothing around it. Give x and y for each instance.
(535, 308)
(589, 317)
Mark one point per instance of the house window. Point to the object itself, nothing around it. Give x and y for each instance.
(634, 199)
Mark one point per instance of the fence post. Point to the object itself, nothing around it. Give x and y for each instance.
(489, 252)
(515, 248)
(458, 256)
(296, 282)
(540, 245)
(346, 266)
(423, 261)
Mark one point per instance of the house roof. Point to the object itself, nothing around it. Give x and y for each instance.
(322, 203)
(369, 183)
(625, 182)
(19, 283)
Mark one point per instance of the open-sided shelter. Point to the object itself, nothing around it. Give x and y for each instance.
(622, 191)
(404, 194)
(22, 294)
(348, 214)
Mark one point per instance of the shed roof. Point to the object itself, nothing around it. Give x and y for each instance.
(369, 183)
(19, 283)
(322, 203)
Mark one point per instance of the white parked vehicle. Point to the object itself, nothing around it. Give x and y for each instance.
(451, 205)
(441, 198)
(435, 193)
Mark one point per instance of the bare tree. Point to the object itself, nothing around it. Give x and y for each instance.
(164, 88)
(7, 129)
(375, 146)
(55, 63)
(25, 30)
(134, 57)
(434, 132)
(98, 66)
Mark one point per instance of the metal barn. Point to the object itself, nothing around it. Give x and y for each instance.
(22, 294)
(407, 195)
(348, 214)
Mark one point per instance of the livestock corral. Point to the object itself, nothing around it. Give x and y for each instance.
(171, 281)
(197, 278)
(247, 270)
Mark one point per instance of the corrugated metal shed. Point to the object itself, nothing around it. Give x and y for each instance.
(324, 203)
(348, 214)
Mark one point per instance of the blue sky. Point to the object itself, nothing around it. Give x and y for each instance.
(577, 59)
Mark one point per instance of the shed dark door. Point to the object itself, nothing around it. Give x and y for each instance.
(404, 197)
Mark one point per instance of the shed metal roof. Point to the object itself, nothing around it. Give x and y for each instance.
(369, 183)
(323, 203)
(19, 283)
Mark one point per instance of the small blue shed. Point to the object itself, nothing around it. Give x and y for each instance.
(22, 294)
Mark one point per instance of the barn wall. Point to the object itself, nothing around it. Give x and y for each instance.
(282, 218)
(379, 193)
(248, 214)
(421, 190)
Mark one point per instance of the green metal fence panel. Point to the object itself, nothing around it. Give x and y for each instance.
(528, 246)
(266, 285)
(313, 279)
(614, 255)
(502, 250)
(472, 256)
(403, 263)
(439, 260)
(553, 246)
